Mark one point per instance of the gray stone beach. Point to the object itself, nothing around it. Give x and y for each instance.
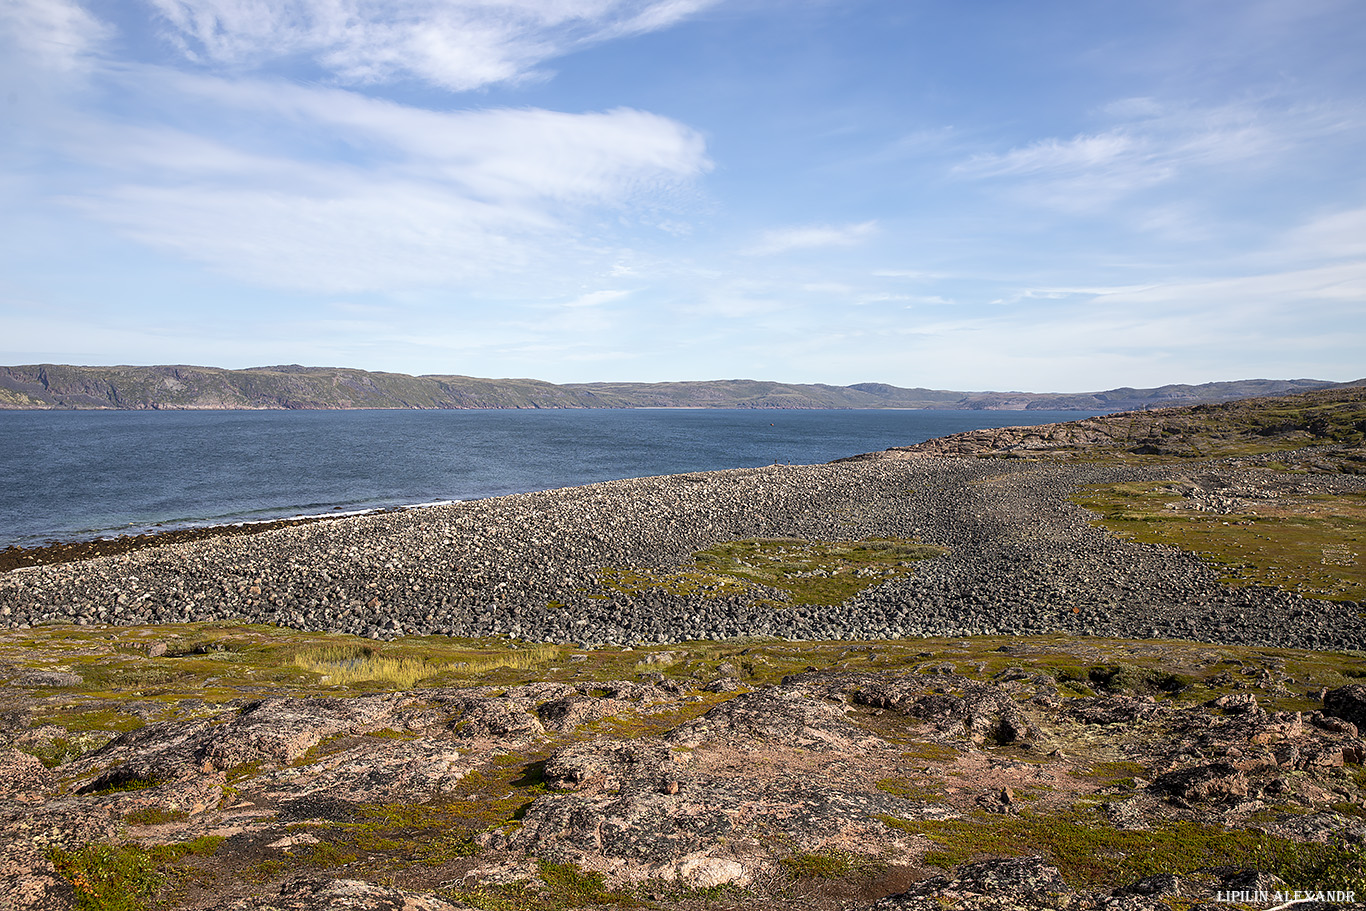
(1021, 560)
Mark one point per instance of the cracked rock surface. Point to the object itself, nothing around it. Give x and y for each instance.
(426, 800)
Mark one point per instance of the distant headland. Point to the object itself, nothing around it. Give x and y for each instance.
(60, 386)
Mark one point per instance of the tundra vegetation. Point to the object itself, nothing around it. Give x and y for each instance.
(227, 765)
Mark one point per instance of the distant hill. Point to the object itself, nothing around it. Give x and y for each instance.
(60, 386)
(1329, 417)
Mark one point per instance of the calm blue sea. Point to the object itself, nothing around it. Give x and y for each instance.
(73, 475)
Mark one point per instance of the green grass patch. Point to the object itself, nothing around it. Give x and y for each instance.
(109, 877)
(803, 572)
(820, 865)
(54, 752)
(345, 665)
(562, 886)
(130, 784)
(1116, 772)
(572, 887)
(154, 816)
(1091, 853)
(911, 790)
(1314, 545)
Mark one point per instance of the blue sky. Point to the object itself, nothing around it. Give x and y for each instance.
(1043, 196)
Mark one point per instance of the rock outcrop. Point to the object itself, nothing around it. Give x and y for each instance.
(422, 799)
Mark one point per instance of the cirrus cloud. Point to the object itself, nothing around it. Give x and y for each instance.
(456, 44)
(782, 240)
(422, 198)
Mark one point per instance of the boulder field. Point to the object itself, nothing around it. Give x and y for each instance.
(1020, 558)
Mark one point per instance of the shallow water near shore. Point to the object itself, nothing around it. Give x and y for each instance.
(81, 475)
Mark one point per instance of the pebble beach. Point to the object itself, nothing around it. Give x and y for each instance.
(1021, 560)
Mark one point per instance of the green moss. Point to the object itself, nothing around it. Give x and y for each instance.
(391, 734)
(801, 572)
(823, 865)
(655, 722)
(563, 886)
(396, 836)
(326, 855)
(1310, 544)
(1091, 853)
(910, 790)
(153, 816)
(103, 718)
(1131, 679)
(936, 752)
(130, 784)
(54, 752)
(243, 770)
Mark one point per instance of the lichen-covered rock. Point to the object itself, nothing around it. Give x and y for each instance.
(29, 881)
(985, 712)
(1108, 710)
(325, 894)
(606, 765)
(489, 718)
(272, 732)
(24, 779)
(993, 885)
(1203, 783)
(793, 714)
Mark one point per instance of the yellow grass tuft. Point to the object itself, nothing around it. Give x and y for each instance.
(344, 665)
(521, 660)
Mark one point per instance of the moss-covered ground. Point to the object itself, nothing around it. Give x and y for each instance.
(127, 677)
(1311, 544)
(1090, 852)
(212, 663)
(122, 689)
(785, 570)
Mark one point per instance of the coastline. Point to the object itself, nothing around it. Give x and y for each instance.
(1021, 560)
(17, 556)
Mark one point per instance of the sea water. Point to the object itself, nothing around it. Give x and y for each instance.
(75, 475)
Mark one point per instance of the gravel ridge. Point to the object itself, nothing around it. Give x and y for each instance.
(1023, 560)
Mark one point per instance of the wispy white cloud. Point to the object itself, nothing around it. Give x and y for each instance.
(1155, 145)
(55, 34)
(1080, 153)
(1329, 236)
(456, 44)
(493, 153)
(423, 198)
(597, 298)
(915, 274)
(811, 236)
